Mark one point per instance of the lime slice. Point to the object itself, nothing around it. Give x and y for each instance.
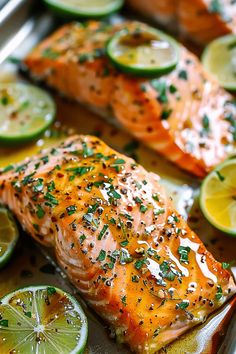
(42, 319)
(8, 235)
(25, 112)
(143, 51)
(85, 8)
(219, 58)
(218, 197)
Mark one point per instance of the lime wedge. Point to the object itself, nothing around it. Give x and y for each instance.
(42, 319)
(8, 236)
(218, 197)
(219, 58)
(85, 8)
(25, 112)
(143, 51)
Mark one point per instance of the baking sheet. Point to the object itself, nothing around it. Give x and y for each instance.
(29, 266)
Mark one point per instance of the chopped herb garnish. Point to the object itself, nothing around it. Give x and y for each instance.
(160, 87)
(79, 171)
(172, 88)
(183, 75)
(28, 179)
(184, 251)
(143, 208)
(219, 293)
(102, 255)
(50, 53)
(51, 186)
(206, 124)
(225, 265)
(48, 196)
(40, 212)
(117, 164)
(140, 263)
(8, 168)
(182, 305)
(125, 257)
(124, 243)
(38, 186)
(220, 176)
(82, 238)
(155, 197)
(4, 323)
(87, 152)
(135, 278)
(71, 209)
(123, 300)
(103, 231)
(166, 113)
(51, 290)
(28, 314)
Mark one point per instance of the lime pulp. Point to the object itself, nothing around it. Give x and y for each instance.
(42, 319)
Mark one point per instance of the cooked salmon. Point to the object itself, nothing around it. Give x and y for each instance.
(164, 11)
(119, 239)
(200, 20)
(184, 115)
(205, 20)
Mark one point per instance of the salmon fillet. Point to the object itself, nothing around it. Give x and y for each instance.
(119, 239)
(183, 115)
(200, 20)
(205, 20)
(164, 11)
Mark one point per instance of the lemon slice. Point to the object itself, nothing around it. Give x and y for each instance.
(42, 319)
(218, 197)
(219, 58)
(8, 236)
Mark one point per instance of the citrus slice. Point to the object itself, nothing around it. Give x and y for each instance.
(8, 236)
(218, 197)
(42, 319)
(143, 51)
(219, 58)
(26, 112)
(85, 8)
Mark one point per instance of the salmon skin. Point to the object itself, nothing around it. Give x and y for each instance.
(183, 115)
(199, 20)
(119, 239)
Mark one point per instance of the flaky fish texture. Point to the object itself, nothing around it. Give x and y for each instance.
(117, 236)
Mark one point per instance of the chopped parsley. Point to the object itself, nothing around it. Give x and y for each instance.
(184, 252)
(183, 75)
(103, 231)
(71, 209)
(102, 255)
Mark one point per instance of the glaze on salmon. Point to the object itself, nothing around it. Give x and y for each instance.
(183, 115)
(200, 20)
(117, 236)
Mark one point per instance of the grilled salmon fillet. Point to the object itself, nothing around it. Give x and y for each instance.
(119, 239)
(184, 115)
(200, 20)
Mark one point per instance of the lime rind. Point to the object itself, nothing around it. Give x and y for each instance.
(137, 69)
(223, 202)
(41, 111)
(46, 312)
(10, 246)
(219, 61)
(74, 11)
